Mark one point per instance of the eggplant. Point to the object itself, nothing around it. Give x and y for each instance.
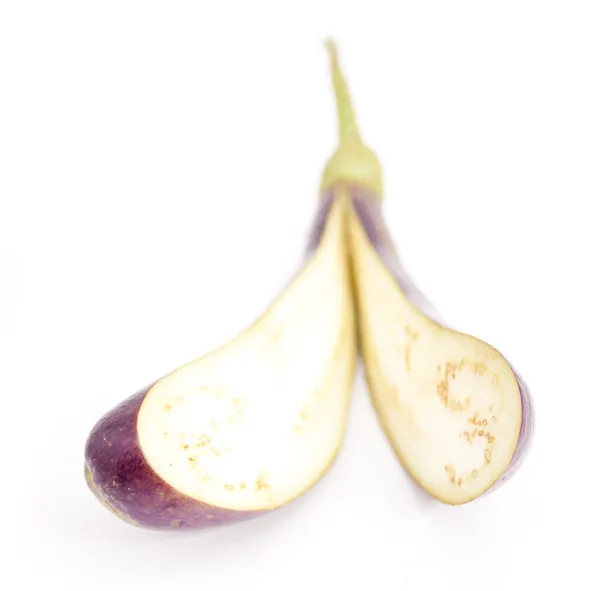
(457, 414)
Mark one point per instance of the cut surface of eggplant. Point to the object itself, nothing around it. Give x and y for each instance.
(253, 424)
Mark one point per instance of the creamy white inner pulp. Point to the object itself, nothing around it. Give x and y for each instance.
(257, 422)
(450, 403)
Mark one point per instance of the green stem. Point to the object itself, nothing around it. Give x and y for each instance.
(348, 129)
(353, 163)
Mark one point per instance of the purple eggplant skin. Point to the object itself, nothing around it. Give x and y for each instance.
(319, 221)
(120, 477)
(367, 205)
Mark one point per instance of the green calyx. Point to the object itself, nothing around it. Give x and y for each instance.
(353, 163)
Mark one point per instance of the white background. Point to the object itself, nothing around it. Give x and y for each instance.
(159, 168)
